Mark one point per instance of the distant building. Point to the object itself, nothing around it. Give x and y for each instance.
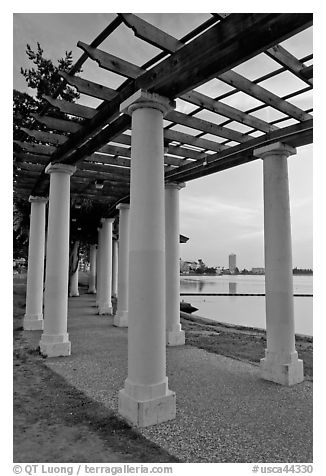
(258, 270)
(232, 262)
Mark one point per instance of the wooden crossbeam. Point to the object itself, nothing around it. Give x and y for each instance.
(218, 49)
(71, 108)
(89, 88)
(192, 140)
(171, 135)
(225, 110)
(44, 136)
(205, 57)
(289, 61)
(33, 158)
(298, 134)
(115, 186)
(57, 124)
(108, 159)
(111, 63)
(124, 152)
(205, 126)
(118, 125)
(150, 33)
(36, 148)
(307, 72)
(162, 40)
(119, 173)
(93, 175)
(258, 92)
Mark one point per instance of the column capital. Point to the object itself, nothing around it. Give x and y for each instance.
(37, 199)
(175, 185)
(60, 168)
(123, 206)
(144, 99)
(278, 148)
(107, 220)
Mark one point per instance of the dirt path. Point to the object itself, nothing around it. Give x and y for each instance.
(54, 422)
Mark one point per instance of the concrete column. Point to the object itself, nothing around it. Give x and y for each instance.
(98, 266)
(105, 305)
(33, 319)
(73, 288)
(121, 318)
(281, 363)
(92, 269)
(174, 334)
(74, 284)
(55, 339)
(114, 268)
(146, 399)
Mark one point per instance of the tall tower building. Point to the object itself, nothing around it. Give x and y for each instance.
(232, 262)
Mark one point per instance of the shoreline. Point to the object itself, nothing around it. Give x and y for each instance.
(235, 327)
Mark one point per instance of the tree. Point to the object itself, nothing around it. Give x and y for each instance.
(45, 79)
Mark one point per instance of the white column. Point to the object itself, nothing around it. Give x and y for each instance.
(92, 269)
(33, 319)
(281, 363)
(105, 305)
(55, 339)
(74, 284)
(114, 268)
(146, 398)
(174, 334)
(121, 318)
(98, 266)
(73, 288)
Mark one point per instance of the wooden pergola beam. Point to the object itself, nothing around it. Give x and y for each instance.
(111, 63)
(258, 92)
(43, 136)
(210, 54)
(225, 110)
(205, 126)
(296, 135)
(289, 61)
(89, 88)
(71, 108)
(150, 33)
(192, 140)
(36, 148)
(58, 124)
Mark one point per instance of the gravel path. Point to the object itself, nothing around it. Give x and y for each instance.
(225, 412)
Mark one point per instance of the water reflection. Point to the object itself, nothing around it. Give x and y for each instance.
(232, 288)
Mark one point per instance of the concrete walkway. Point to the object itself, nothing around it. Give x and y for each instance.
(225, 412)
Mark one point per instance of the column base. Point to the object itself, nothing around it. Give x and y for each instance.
(91, 291)
(33, 322)
(105, 308)
(121, 319)
(175, 338)
(274, 369)
(55, 345)
(148, 412)
(74, 294)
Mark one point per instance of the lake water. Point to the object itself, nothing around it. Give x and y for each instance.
(245, 310)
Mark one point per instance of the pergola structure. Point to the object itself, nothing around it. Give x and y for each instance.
(150, 135)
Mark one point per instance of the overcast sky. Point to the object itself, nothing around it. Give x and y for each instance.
(221, 213)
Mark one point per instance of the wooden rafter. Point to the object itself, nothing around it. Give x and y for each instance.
(58, 124)
(187, 156)
(89, 88)
(290, 62)
(258, 92)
